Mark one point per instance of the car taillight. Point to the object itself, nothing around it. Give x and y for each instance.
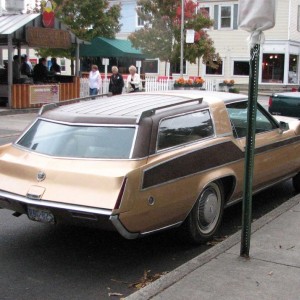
(120, 196)
(270, 101)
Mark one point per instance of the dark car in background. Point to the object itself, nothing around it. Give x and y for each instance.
(285, 104)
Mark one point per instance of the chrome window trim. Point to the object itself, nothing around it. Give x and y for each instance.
(46, 203)
(80, 124)
(78, 158)
(158, 151)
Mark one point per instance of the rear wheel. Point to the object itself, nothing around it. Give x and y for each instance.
(296, 182)
(205, 217)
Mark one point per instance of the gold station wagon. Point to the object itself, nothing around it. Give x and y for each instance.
(143, 162)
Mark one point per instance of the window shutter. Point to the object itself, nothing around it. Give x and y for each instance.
(216, 16)
(235, 16)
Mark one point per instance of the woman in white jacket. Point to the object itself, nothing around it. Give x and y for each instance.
(133, 83)
(95, 81)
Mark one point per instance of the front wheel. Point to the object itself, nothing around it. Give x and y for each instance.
(296, 182)
(205, 217)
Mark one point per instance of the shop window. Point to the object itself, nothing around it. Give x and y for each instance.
(293, 69)
(273, 68)
(63, 65)
(175, 68)
(217, 71)
(150, 66)
(241, 68)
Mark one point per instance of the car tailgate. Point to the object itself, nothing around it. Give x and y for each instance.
(86, 182)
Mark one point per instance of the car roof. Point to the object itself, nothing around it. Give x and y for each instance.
(132, 107)
(288, 94)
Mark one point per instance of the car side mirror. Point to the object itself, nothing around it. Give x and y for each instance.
(283, 126)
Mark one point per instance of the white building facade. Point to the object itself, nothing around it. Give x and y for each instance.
(279, 58)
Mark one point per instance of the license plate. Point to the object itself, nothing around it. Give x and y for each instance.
(40, 215)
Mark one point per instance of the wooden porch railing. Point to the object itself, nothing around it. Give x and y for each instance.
(20, 93)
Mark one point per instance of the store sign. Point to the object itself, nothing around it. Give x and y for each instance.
(44, 93)
(48, 38)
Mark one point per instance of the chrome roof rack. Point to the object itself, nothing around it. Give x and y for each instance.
(50, 106)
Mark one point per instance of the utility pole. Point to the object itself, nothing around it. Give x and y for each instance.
(182, 38)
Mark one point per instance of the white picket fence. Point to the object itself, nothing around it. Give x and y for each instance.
(151, 84)
(85, 90)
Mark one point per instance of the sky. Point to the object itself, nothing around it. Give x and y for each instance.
(27, 3)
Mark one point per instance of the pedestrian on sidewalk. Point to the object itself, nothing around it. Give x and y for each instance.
(95, 81)
(116, 82)
(134, 83)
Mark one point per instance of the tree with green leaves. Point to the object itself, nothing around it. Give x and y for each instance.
(87, 19)
(161, 35)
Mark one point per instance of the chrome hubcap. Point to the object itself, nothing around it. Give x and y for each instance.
(209, 209)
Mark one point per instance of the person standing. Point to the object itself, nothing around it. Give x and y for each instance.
(25, 69)
(55, 67)
(95, 81)
(116, 82)
(134, 83)
(40, 71)
(16, 69)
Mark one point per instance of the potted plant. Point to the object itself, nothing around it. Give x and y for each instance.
(195, 83)
(228, 83)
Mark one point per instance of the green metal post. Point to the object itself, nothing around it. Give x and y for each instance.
(250, 149)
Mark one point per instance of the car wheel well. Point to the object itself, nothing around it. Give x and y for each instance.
(228, 183)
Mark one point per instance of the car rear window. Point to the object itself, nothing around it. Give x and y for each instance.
(79, 141)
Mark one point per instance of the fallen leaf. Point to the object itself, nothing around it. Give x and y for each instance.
(290, 248)
(115, 294)
(147, 279)
(216, 240)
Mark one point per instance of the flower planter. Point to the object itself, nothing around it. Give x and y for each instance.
(198, 87)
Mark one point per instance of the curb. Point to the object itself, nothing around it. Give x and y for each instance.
(174, 276)
(6, 112)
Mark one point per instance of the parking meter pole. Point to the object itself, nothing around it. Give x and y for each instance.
(250, 149)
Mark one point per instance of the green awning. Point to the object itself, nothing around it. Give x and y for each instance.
(103, 47)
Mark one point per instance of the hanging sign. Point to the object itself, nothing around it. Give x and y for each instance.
(190, 36)
(48, 38)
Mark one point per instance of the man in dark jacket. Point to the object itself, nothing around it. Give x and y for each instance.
(116, 82)
(55, 67)
(40, 71)
(25, 68)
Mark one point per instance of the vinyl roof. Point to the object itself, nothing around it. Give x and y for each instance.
(127, 105)
(131, 108)
(104, 47)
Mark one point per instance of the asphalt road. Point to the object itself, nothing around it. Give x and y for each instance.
(40, 261)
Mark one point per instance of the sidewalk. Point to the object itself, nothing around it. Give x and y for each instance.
(272, 272)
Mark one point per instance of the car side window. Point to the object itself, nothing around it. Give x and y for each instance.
(238, 117)
(184, 129)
